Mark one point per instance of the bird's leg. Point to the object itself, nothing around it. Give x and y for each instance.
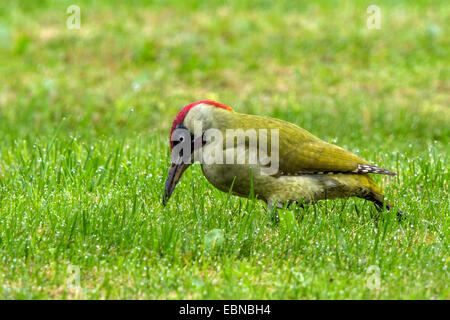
(381, 203)
(272, 208)
(274, 205)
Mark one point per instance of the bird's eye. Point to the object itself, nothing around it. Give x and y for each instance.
(181, 138)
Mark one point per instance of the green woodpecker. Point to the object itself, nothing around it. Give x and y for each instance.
(275, 160)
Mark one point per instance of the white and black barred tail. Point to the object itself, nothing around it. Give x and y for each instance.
(367, 168)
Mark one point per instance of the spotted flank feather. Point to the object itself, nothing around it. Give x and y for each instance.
(362, 168)
(366, 168)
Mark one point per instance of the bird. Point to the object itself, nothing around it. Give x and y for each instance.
(298, 167)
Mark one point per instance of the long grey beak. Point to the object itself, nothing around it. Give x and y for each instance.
(175, 173)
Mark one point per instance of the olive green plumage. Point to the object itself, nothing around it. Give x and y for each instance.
(309, 169)
(299, 150)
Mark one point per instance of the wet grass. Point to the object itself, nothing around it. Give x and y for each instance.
(84, 121)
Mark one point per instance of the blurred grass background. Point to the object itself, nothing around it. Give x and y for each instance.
(84, 123)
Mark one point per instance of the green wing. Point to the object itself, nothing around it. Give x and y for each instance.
(299, 150)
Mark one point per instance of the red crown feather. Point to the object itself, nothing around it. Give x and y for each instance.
(182, 114)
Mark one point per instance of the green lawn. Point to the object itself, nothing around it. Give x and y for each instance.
(84, 149)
